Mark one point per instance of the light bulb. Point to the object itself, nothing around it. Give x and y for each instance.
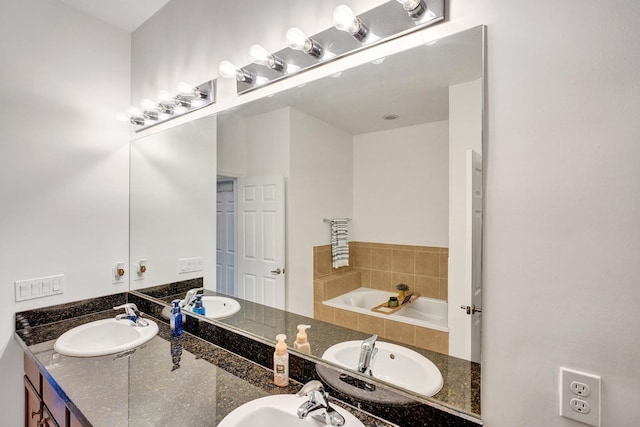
(148, 104)
(185, 88)
(415, 8)
(166, 96)
(134, 111)
(296, 39)
(345, 20)
(228, 70)
(130, 119)
(259, 54)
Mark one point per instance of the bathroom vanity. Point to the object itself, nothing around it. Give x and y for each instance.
(195, 379)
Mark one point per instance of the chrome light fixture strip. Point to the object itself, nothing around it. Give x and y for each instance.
(208, 88)
(385, 22)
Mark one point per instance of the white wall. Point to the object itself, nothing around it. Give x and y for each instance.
(64, 165)
(465, 132)
(173, 203)
(232, 146)
(562, 181)
(401, 185)
(321, 187)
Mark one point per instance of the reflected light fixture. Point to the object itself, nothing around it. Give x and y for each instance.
(185, 89)
(150, 105)
(414, 8)
(127, 118)
(261, 56)
(297, 40)
(230, 71)
(147, 115)
(345, 20)
(177, 100)
(167, 106)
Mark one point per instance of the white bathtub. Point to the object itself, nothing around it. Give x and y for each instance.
(425, 312)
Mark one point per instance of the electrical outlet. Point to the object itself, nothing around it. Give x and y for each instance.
(580, 389)
(580, 396)
(579, 405)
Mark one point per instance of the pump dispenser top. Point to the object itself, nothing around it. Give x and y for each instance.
(301, 344)
(281, 345)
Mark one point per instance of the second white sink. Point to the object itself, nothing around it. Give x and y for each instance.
(217, 307)
(393, 364)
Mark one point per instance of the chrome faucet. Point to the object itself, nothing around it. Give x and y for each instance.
(190, 297)
(368, 351)
(131, 313)
(318, 405)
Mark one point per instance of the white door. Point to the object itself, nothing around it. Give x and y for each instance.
(225, 238)
(474, 250)
(260, 276)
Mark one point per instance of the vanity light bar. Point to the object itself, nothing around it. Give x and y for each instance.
(385, 22)
(168, 106)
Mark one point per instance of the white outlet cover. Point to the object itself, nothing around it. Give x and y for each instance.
(569, 393)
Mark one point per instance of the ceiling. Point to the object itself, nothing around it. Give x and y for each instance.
(413, 85)
(124, 14)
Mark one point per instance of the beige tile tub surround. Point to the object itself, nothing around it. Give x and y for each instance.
(382, 266)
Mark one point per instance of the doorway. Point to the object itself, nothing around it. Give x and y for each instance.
(226, 236)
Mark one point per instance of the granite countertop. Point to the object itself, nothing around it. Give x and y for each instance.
(168, 381)
(461, 388)
(212, 370)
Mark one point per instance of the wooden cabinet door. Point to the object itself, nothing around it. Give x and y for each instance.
(32, 405)
(47, 419)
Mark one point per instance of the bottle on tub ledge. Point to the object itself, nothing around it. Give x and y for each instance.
(402, 289)
(281, 362)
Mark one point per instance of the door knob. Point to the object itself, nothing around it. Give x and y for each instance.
(277, 271)
(471, 310)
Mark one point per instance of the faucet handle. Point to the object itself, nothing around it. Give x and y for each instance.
(371, 341)
(309, 389)
(190, 296)
(130, 308)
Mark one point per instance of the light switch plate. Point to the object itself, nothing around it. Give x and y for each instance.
(39, 287)
(189, 265)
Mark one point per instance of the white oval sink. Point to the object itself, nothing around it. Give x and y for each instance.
(217, 307)
(393, 364)
(102, 337)
(279, 410)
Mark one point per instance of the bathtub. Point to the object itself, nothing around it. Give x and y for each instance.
(424, 312)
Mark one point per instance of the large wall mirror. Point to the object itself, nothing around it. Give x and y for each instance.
(394, 145)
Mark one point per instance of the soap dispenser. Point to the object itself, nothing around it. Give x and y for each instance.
(281, 362)
(301, 344)
(199, 308)
(175, 321)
